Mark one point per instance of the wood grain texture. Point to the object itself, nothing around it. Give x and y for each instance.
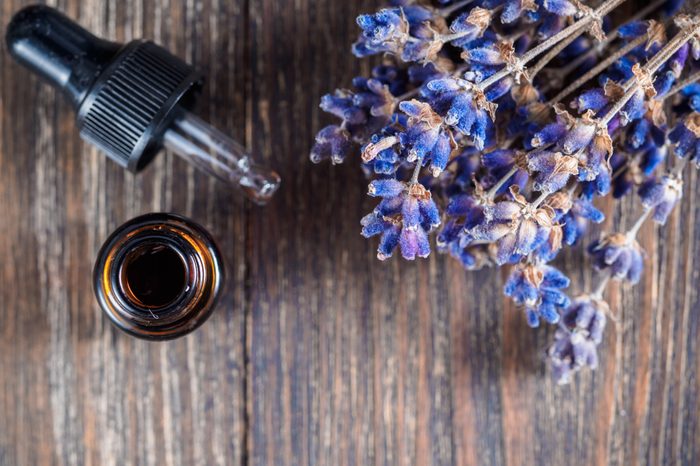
(319, 355)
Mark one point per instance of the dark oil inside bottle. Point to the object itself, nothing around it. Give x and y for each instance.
(156, 275)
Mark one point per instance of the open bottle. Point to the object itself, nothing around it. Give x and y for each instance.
(158, 276)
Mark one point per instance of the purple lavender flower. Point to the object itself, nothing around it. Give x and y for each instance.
(581, 133)
(691, 92)
(575, 220)
(332, 142)
(664, 83)
(577, 339)
(363, 112)
(589, 141)
(550, 134)
(593, 99)
(648, 132)
(404, 217)
(388, 30)
(662, 196)
(633, 29)
(686, 137)
(426, 138)
(514, 226)
(677, 62)
(385, 26)
(500, 162)
(634, 109)
(342, 104)
(560, 7)
(420, 75)
(453, 239)
(464, 167)
(538, 289)
(464, 211)
(627, 174)
(652, 158)
(553, 170)
(370, 106)
(489, 54)
(468, 207)
(471, 25)
(381, 154)
(620, 254)
(425, 46)
(550, 24)
(463, 107)
(514, 9)
(374, 95)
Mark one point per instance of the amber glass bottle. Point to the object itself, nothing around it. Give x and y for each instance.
(158, 276)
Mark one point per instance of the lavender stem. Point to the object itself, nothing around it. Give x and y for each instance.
(602, 10)
(595, 71)
(651, 67)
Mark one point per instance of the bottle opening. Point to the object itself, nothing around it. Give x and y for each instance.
(158, 276)
(154, 275)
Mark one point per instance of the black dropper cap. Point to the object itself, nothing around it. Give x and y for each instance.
(125, 96)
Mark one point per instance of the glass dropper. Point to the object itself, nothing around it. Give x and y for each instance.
(131, 100)
(218, 155)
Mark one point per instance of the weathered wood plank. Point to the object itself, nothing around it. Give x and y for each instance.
(74, 390)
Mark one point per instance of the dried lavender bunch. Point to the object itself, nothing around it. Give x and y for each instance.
(494, 125)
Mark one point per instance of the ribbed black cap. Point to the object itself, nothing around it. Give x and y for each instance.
(134, 101)
(125, 96)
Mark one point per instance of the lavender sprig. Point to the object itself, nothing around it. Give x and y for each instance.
(465, 140)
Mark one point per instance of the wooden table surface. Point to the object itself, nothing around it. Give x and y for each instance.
(319, 354)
